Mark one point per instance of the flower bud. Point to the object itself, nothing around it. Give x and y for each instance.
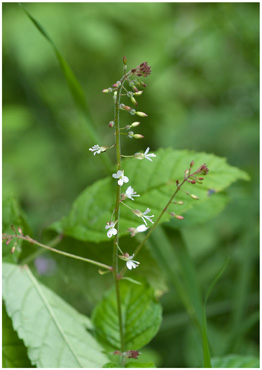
(117, 84)
(20, 230)
(135, 124)
(194, 196)
(133, 100)
(109, 90)
(111, 124)
(141, 114)
(125, 61)
(192, 164)
(138, 136)
(176, 216)
(13, 249)
(137, 93)
(179, 202)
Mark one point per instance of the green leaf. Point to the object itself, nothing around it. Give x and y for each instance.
(155, 182)
(54, 333)
(141, 313)
(135, 364)
(14, 350)
(235, 361)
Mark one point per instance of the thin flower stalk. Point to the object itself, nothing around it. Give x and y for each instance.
(47, 247)
(201, 170)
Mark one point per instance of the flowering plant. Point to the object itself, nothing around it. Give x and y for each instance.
(124, 203)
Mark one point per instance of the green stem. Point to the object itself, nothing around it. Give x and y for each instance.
(54, 242)
(117, 216)
(156, 222)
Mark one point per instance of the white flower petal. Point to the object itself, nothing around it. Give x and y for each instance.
(141, 228)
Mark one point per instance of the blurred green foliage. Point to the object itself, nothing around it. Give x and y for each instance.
(203, 94)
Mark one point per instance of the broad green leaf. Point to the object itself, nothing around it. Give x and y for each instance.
(55, 334)
(155, 182)
(14, 353)
(235, 361)
(141, 315)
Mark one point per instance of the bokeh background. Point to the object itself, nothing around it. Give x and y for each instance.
(203, 95)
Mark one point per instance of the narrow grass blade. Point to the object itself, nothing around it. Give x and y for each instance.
(75, 89)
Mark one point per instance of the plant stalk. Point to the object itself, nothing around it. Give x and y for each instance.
(117, 216)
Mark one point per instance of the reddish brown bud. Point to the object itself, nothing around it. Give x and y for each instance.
(132, 354)
(203, 169)
(192, 164)
(125, 61)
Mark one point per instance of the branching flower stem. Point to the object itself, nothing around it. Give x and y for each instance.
(117, 212)
(47, 247)
(123, 271)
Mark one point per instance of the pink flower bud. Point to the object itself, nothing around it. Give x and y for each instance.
(192, 164)
(106, 91)
(12, 250)
(138, 136)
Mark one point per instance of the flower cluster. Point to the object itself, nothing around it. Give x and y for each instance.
(119, 89)
(142, 70)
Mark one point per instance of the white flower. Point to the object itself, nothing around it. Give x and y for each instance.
(120, 175)
(130, 193)
(140, 229)
(145, 155)
(111, 228)
(97, 149)
(130, 263)
(147, 217)
(143, 215)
